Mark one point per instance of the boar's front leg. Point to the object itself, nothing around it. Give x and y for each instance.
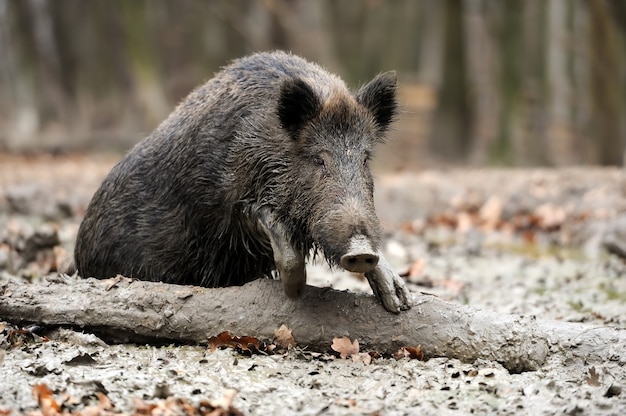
(388, 287)
(288, 261)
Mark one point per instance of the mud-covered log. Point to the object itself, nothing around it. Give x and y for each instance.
(131, 310)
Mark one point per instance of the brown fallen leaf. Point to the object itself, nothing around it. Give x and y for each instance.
(490, 213)
(103, 407)
(529, 237)
(550, 216)
(444, 220)
(66, 400)
(284, 338)
(345, 402)
(416, 269)
(174, 406)
(361, 357)
(226, 402)
(413, 353)
(345, 347)
(142, 407)
(45, 400)
(594, 377)
(113, 282)
(105, 402)
(465, 222)
(241, 344)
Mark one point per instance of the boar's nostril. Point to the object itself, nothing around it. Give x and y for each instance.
(361, 256)
(359, 263)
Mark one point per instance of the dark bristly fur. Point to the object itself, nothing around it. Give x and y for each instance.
(269, 133)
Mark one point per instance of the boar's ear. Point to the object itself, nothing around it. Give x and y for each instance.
(379, 96)
(297, 105)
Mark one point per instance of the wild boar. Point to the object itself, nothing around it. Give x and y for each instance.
(261, 166)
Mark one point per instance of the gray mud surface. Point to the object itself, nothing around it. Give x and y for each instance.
(548, 243)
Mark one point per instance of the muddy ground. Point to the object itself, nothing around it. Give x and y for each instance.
(548, 243)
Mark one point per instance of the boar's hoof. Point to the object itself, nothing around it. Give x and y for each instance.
(388, 287)
(294, 281)
(361, 257)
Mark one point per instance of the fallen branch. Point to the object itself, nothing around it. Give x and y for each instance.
(136, 311)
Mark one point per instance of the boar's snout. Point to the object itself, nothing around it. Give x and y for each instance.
(361, 256)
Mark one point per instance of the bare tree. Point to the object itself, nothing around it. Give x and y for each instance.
(483, 80)
(559, 139)
(606, 72)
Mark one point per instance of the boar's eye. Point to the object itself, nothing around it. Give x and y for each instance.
(319, 161)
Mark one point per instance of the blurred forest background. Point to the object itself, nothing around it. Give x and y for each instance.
(483, 82)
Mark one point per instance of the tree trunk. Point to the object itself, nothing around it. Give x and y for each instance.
(560, 139)
(451, 122)
(607, 104)
(136, 311)
(482, 81)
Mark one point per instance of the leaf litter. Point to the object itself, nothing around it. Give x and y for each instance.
(466, 233)
(102, 405)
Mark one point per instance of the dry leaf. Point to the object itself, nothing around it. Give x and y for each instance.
(45, 400)
(241, 344)
(417, 268)
(142, 407)
(221, 340)
(104, 407)
(594, 377)
(174, 406)
(414, 353)
(284, 338)
(465, 222)
(226, 401)
(550, 217)
(529, 237)
(446, 220)
(362, 357)
(345, 402)
(112, 282)
(345, 347)
(105, 402)
(490, 213)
